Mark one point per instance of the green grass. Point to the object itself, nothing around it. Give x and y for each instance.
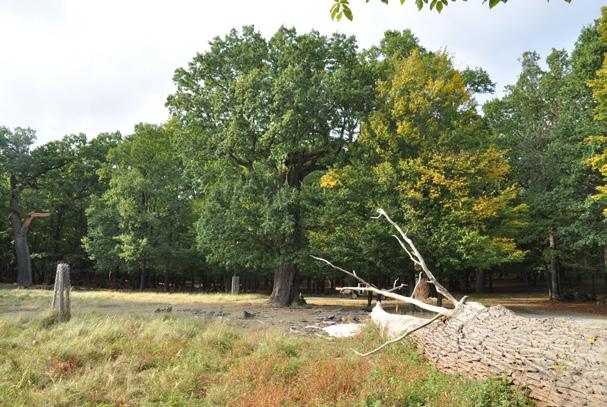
(169, 359)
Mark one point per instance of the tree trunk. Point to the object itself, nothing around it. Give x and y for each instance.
(421, 290)
(167, 266)
(284, 291)
(286, 279)
(61, 294)
(554, 282)
(534, 353)
(24, 267)
(142, 279)
(561, 362)
(20, 229)
(481, 279)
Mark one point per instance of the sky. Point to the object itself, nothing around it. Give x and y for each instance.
(91, 66)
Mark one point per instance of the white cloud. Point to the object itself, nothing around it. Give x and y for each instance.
(69, 66)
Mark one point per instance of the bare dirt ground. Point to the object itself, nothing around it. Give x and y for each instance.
(248, 311)
(253, 312)
(588, 314)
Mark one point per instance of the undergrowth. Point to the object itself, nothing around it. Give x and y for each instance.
(170, 360)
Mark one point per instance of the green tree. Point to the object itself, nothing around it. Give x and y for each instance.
(6, 247)
(141, 222)
(339, 226)
(25, 167)
(598, 141)
(262, 116)
(66, 193)
(598, 161)
(427, 156)
(341, 8)
(435, 152)
(339, 203)
(543, 121)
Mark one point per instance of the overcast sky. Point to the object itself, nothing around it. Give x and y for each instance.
(70, 66)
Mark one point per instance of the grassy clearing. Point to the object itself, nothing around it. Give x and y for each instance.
(168, 359)
(27, 300)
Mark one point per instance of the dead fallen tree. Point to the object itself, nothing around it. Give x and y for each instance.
(560, 362)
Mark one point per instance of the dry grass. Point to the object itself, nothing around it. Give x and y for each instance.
(99, 359)
(177, 298)
(14, 300)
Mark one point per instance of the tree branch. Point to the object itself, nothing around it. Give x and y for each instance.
(32, 215)
(385, 293)
(395, 287)
(400, 338)
(416, 257)
(243, 163)
(409, 300)
(351, 274)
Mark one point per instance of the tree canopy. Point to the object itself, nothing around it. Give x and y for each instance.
(598, 141)
(341, 8)
(264, 115)
(280, 148)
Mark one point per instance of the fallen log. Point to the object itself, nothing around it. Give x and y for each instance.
(560, 362)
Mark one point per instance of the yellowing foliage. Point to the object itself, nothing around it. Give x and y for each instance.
(599, 163)
(330, 180)
(435, 153)
(599, 92)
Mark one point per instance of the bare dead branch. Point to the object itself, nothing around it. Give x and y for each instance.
(388, 294)
(413, 259)
(416, 257)
(399, 338)
(351, 274)
(395, 287)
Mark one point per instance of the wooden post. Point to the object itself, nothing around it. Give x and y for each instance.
(235, 284)
(61, 295)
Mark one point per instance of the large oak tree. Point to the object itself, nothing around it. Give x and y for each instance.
(258, 117)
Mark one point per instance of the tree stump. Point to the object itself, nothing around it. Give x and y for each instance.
(422, 288)
(61, 295)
